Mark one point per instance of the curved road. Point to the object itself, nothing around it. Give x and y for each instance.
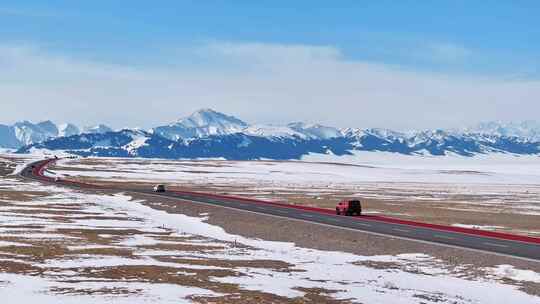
(491, 242)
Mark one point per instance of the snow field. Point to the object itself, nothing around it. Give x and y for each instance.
(483, 182)
(312, 268)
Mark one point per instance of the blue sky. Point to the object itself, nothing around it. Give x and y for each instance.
(460, 41)
(386, 31)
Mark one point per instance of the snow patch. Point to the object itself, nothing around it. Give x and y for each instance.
(510, 272)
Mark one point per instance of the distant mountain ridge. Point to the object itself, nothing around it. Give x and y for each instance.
(26, 133)
(526, 129)
(210, 134)
(98, 129)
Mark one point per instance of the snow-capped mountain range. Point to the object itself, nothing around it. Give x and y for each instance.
(210, 134)
(26, 133)
(526, 129)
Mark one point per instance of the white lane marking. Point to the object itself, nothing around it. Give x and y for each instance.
(241, 205)
(401, 230)
(261, 208)
(334, 219)
(495, 245)
(362, 224)
(443, 237)
(307, 215)
(282, 211)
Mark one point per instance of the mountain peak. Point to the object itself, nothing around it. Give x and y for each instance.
(28, 133)
(206, 110)
(209, 117)
(315, 130)
(202, 123)
(210, 122)
(68, 129)
(98, 129)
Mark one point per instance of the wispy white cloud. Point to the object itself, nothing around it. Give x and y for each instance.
(271, 53)
(275, 83)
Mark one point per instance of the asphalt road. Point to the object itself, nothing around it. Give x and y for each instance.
(527, 250)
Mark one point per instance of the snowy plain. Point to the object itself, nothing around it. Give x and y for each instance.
(493, 180)
(312, 268)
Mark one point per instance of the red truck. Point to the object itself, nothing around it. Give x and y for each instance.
(349, 207)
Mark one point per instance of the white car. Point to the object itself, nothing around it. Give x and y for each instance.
(159, 188)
